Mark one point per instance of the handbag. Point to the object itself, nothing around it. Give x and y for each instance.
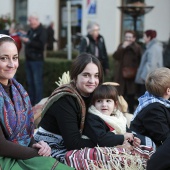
(129, 72)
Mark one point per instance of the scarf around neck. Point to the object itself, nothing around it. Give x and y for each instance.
(16, 115)
(117, 121)
(147, 99)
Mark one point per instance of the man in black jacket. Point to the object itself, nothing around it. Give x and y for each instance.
(160, 159)
(94, 44)
(50, 37)
(34, 49)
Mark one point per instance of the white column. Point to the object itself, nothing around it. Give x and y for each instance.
(69, 49)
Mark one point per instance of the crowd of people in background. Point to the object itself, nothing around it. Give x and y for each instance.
(34, 42)
(129, 58)
(84, 112)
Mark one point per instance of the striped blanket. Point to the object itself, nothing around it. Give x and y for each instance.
(112, 158)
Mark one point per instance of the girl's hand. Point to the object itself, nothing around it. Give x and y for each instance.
(127, 145)
(136, 142)
(44, 149)
(128, 137)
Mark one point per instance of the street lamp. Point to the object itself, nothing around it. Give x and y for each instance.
(135, 10)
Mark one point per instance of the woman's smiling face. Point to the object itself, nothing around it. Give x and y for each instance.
(88, 79)
(8, 61)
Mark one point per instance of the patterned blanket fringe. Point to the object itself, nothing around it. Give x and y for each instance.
(123, 161)
(109, 158)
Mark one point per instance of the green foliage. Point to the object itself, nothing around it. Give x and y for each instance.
(112, 67)
(4, 21)
(53, 69)
(60, 54)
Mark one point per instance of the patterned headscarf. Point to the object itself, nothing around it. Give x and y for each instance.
(16, 116)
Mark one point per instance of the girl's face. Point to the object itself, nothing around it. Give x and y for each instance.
(88, 79)
(8, 61)
(105, 106)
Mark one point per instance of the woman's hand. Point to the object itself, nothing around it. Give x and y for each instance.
(136, 142)
(44, 148)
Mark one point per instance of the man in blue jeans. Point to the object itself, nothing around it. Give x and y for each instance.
(35, 41)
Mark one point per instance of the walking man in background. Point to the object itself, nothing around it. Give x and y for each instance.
(50, 37)
(34, 49)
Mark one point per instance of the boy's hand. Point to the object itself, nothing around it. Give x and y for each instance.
(136, 142)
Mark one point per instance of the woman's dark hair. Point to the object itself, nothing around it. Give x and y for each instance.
(151, 33)
(81, 62)
(105, 92)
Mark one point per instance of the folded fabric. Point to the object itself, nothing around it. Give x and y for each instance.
(36, 163)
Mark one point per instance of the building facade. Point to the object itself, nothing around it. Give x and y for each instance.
(104, 12)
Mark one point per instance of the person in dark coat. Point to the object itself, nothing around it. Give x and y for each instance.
(166, 55)
(128, 54)
(152, 116)
(94, 44)
(50, 37)
(160, 159)
(35, 42)
(65, 110)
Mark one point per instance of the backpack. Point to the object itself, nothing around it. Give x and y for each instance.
(88, 41)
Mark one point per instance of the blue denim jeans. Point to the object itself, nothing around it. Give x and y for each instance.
(34, 76)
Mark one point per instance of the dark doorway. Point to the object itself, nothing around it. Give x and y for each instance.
(76, 19)
(20, 11)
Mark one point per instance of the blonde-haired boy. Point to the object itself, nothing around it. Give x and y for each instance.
(158, 82)
(152, 116)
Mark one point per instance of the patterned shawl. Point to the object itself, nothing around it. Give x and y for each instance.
(147, 99)
(16, 116)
